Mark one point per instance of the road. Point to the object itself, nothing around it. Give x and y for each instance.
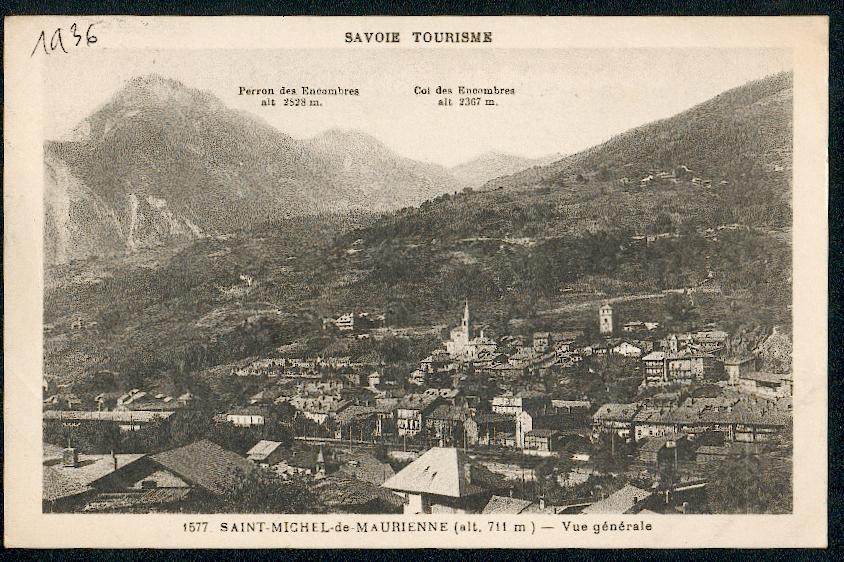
(586, 305)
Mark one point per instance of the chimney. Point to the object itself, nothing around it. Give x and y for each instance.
(70, 457)
(114, 460)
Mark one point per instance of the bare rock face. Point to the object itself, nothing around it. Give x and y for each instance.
(162, 163)
(775, 352)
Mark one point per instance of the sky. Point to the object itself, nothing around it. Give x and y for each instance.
(566, 100)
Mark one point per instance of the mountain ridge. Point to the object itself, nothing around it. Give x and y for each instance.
(162, 163)
(518, 253)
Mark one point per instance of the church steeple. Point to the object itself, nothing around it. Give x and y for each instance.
(467, 321)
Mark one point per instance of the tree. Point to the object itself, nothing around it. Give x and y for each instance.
(679, 312)
(611, 454)
(750, 483)
(260, 491)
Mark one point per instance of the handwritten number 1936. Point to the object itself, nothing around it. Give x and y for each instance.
(57, 42)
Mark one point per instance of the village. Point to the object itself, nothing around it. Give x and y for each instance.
(631, 419)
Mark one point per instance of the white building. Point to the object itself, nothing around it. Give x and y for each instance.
(605, 318)
(627, 349)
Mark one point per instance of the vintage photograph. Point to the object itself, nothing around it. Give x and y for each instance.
(396, 282)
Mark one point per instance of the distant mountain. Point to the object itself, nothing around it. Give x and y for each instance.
(161, 162)
(490, 165)
(373, 176)
(548, 244)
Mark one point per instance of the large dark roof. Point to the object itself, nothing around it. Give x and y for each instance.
(207, 465)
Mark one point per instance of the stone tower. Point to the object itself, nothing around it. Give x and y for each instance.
(467, 322)
(605, 318)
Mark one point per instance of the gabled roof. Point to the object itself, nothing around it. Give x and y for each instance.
(262, 449)
(620, 502)
(56, 485)
(62, 481)
(207, 465)
(355, 413)
(616, 412)
(504, 504)
(364, 466)
(493, 417)
(441, 471)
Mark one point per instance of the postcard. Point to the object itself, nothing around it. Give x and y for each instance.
(415, 282)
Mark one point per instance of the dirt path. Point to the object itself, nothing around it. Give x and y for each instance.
(586, 305)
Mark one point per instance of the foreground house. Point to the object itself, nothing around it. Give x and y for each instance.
(196, 477)
(439, 481)
(70, 480)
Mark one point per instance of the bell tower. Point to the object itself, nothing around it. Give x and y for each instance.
(605, 318)
(467, 321)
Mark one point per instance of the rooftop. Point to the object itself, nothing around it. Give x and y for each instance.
(439, 471)
(448, 412)
(364, 466)
(417, 401)
(262, 450)
(543, 432)
(62, 481)
(620, 502)
(207, 465)
(571, 403)
(119, 416)
(616, 412)
(504, 504)
(353, 413)
(344, 493)
(762, 376)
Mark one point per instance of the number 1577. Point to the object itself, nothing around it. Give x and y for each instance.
(57, 41)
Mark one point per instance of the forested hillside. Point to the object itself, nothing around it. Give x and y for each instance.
(517, 252)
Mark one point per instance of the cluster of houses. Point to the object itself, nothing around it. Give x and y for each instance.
(445, 408)
(203, 476)
(355, 322)
(680, 174)
(732, 416)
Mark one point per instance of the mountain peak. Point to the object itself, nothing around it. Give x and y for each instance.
(154, 90)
